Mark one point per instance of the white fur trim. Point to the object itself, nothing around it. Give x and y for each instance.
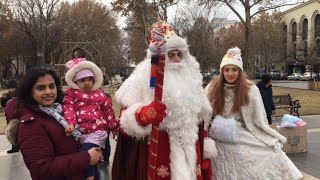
(136, 88)
(183, 160)
(129, 123)
(264, 126)
(256, 121)
(209, 148)
(98, 77)
(176, 42)
(206, 112)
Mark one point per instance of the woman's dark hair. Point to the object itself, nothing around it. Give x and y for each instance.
(265, 78)
(24, 90)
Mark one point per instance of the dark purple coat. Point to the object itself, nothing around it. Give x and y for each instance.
(48, 153)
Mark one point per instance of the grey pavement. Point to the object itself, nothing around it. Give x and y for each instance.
(12, 166)
(291, 84)
(309, 162)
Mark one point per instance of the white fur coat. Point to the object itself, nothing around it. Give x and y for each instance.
(255, 118)
(187, 106)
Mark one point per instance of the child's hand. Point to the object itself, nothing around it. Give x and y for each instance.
(95, 155)
(69, 129)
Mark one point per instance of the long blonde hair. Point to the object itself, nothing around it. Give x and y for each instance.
(217, 93)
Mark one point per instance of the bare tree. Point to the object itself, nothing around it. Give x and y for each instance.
(147, 11)
(226, 38)
(35, 17)
(159, 6)
(249, 6)
(137, 37)
(91, 21)
(268, 39)
(198, 24)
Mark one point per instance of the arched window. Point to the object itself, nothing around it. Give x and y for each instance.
(305, 50)
(317, 26)
(294, 32)
(285, 32)
(294, 50)
(305, 29)
(318, 47)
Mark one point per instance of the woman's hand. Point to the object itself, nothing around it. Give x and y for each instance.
(95, 155)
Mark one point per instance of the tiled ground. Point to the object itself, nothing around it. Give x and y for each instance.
(12, 166)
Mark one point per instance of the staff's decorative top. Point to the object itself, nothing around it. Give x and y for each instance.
(159, 32)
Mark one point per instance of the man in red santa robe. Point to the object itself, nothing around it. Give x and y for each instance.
(184, 151)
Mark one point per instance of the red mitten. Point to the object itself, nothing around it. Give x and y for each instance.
(151, 114)
(206, 168)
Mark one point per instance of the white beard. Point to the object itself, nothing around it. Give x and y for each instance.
(185, 99)
(182, 85)
(176, 66)
(181, 95)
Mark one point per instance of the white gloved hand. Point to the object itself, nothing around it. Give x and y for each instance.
(158, 47)
(277, 147)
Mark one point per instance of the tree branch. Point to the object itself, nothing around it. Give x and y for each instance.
(255, 3)
(273, 7)
(235, 11)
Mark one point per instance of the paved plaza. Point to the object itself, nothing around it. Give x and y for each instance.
(12, 166)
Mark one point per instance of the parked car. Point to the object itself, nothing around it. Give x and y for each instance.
(259, 74)
(284, 76)
(308, 76)
(294, 76)
(275, 74)
(207, 77)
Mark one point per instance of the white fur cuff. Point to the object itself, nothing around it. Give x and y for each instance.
(209, 148)
(129, 124)
(206, 115)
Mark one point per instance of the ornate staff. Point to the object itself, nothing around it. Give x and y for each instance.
(159, 31)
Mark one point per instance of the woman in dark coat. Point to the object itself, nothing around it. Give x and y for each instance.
(48, 153)
(12, 86)
(265, 88)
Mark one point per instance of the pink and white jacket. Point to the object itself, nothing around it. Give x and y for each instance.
(92, 111)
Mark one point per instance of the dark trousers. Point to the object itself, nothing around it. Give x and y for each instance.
(14, 149)
(90, 170)
(269, 117)
(107, 150)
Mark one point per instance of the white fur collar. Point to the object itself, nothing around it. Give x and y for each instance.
(98, 77)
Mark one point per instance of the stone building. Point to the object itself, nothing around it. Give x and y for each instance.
(302, 43)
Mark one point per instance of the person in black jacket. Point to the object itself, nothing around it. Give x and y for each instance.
(265, 87)
(12, 85)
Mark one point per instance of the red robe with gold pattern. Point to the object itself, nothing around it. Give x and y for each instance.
(133, 164)
(181, 139)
